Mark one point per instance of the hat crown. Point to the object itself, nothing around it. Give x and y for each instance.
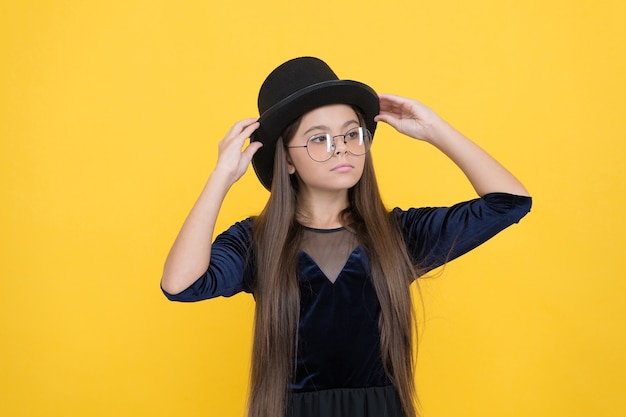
(291, 77)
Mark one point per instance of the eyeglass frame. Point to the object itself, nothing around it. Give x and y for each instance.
(334, 146)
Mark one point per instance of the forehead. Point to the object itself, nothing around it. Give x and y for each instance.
(330, 116)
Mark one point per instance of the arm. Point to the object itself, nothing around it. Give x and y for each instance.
(437, 235)
(419, 122)
(190, 254)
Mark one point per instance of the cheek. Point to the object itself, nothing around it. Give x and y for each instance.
(360, 164)
(299, 162)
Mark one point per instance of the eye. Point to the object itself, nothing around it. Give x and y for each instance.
(354, 134)
(318, 140)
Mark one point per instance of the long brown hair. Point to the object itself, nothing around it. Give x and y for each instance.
(276, 237)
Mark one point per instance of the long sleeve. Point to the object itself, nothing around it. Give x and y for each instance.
(231, 267)
(436, 235)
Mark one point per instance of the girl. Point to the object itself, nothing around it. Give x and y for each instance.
(329, 267)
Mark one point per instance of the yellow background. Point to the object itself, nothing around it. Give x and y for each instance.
(109, 119)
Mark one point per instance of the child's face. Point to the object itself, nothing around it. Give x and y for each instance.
(343, 169)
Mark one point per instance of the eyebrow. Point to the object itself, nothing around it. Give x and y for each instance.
(326, 128)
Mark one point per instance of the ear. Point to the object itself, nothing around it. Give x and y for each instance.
(291, 168)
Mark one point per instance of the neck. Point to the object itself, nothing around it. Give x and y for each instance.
(321, 209)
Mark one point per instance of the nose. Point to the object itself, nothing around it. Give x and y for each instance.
(340, 144)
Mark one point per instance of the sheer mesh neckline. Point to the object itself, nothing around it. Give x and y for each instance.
(318, 230)
(330, 249)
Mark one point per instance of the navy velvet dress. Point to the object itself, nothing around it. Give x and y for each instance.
(339, 370)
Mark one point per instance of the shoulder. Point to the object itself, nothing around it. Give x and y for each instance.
(238, 237)
(242, 228)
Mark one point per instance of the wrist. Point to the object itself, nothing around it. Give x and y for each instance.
(220, 181)
(438, 132)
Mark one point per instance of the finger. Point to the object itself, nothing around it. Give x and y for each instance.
(249, 129)
(390, 100)
(398, 100)
(241, 131)
(390, 119)
(240, 126)
(401, 105)
(391, 107)
(390, 97)
(250, 150)
(247, 122)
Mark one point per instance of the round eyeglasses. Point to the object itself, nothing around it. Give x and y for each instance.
(321, 147)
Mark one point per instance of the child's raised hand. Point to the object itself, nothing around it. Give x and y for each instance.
(409, 117)
(233, 159)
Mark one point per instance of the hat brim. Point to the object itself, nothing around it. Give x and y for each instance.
(275, 119)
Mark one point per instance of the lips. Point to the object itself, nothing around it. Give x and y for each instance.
(344, 167)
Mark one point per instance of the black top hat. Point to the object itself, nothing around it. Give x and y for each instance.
(293, 89)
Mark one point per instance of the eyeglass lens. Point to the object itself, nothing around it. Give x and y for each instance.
(321, 147)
